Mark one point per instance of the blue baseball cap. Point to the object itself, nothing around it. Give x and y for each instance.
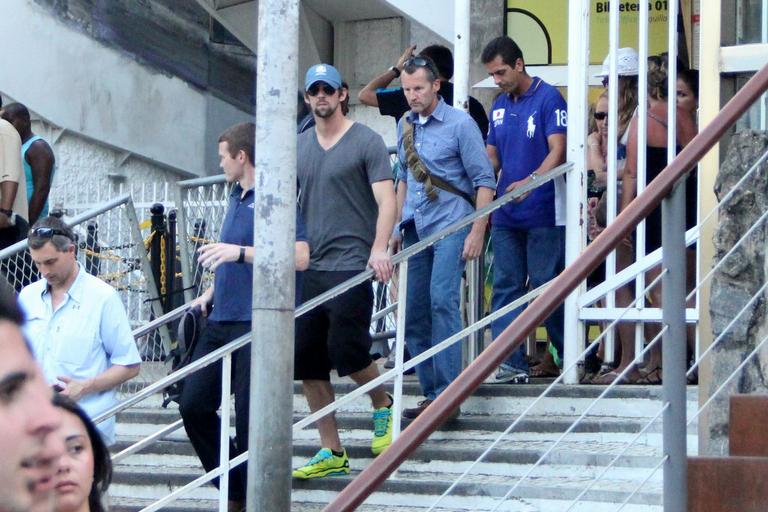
(322, 73)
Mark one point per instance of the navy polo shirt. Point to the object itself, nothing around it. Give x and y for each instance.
(519, 129)
(233, 282)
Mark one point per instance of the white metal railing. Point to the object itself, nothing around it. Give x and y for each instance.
(225, 353)
(622, 315)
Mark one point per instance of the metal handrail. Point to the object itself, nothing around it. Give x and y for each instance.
(400, 258)
(336, 291)
(654, 257)
(77, 219)
(373, 475)
(436, 237)
(202, 480)
(755, 296)
(546, 392)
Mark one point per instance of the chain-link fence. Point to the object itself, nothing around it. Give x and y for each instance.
(109, 246)
(203, 205)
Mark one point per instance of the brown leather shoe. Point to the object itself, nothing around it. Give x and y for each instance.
(414, 412)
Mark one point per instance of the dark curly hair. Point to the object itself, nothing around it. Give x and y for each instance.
(102, 463)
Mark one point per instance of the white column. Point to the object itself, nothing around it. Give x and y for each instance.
(578, 81)
(461, 15)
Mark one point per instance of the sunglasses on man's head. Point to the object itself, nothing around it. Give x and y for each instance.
(48, 233)
(315, 89)
(600, 115)
(416, 61)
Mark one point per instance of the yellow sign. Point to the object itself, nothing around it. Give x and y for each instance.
(540, 28)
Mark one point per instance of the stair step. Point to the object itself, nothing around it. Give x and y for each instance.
(567, 470)
(427, 479)
(406, 503)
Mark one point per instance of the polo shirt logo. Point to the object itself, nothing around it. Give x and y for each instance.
(250, 206)
(498, 117)
(531, 126)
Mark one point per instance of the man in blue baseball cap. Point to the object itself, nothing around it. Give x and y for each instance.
(322, 73)
(348, 202)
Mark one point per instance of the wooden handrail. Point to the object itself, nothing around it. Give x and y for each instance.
(474, 375)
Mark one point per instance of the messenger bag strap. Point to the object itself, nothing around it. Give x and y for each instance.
(420, 171)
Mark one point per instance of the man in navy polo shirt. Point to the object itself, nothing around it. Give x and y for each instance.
(526, 138)
(392, 101)
(230, 318)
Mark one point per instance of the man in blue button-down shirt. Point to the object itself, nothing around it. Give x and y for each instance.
(451, 148)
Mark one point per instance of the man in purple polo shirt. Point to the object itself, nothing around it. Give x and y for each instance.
(526, 138)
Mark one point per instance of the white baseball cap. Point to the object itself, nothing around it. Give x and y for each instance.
(627, 63)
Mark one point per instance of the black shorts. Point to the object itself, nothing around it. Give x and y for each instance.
(335, 334)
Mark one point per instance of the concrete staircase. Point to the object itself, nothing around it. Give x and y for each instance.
(614, 421)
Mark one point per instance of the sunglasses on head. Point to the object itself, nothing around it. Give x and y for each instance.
(48, 233)
(315, 89)
(600, 115)
(416, 61)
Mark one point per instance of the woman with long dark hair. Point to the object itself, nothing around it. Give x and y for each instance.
(85, 469)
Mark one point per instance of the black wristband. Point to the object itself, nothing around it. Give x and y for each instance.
(395, 71)
(241, 259)
(7, 213)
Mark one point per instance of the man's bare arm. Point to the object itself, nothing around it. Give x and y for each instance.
(367, 94)
(41, 160)
(380, 261)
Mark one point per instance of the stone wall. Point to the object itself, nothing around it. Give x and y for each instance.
(742, 275)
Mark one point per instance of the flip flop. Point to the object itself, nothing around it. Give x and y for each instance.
(652, 377)
(538, 372)
(607, 378)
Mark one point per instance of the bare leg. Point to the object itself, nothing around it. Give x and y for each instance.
(319, 393)
(378, 396)
(625, 330)
(652, 330)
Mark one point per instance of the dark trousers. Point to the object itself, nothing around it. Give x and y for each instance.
(201, 399)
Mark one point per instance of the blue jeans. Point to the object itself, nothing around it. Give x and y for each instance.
(525, 259)
(432, 307)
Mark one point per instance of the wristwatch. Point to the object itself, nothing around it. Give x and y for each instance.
(395, 71)
(534, 176)
(241, 259)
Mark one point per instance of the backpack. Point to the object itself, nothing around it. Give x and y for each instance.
(190, 327)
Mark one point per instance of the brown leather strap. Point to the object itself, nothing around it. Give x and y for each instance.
(420, 171)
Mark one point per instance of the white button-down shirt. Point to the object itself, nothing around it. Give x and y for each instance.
(88, 333)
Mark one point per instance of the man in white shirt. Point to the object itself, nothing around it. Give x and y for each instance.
(77, 325)
(29, 446)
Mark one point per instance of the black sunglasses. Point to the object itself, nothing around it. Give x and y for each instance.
(315, 89)
(420, 62)
(48, 233)
(600, 115)
(416, 61)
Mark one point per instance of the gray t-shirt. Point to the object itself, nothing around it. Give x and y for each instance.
(336, 199)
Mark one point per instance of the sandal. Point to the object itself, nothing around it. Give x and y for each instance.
(652, 377)
(607, 378)
(541, 370)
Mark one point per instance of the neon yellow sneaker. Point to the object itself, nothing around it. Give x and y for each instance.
(324, 463)
(382, 429)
